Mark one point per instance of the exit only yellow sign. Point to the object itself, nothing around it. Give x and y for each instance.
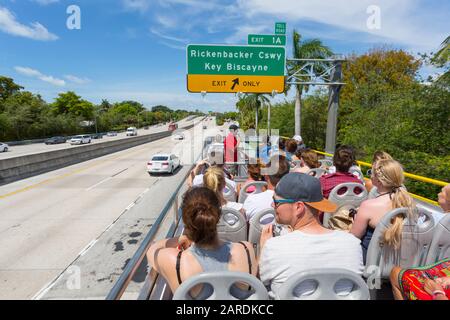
(197, 83)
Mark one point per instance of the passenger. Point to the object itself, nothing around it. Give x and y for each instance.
(300, 144)
(291, 148)
(422, 283)
(388, 177)
(444, 202)
(298, 199)
(266, 151)
(256, 203)
(354, 168)
(199, 249)
(343, 159)
(231, 145)
(378, 155)
(254, 175)
(281, 145)
(200, 169)
(308, 160)
(214, 179)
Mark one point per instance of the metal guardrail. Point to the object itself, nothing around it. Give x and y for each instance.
(133, 265)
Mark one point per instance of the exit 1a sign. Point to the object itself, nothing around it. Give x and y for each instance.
(266, 40)
(280, 28)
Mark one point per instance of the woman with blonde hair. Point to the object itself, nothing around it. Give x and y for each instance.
(378, 155)
(214, 179)
(387, 176)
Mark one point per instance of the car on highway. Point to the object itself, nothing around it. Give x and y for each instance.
(112, 134)
(55, 140)
(132, 132)
(3, 147)
(82, 139)
(178, 136)
(97, 136)
(166, 163)
(146, 128)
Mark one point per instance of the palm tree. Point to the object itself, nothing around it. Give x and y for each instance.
(442, 60)
(248, 104)
(307, 49)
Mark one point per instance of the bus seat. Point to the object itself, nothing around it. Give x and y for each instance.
(440, 245)
(229, 192)
(316, 172)
(373, 193)
(356, 171)
(221, 283)
(259, 185)
(325, 163)
(325, 284)
(232, 226)
(295, 164)
(416, 241)
(349, 196)
(257, 223)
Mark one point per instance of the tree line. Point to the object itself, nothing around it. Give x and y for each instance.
(24, 115)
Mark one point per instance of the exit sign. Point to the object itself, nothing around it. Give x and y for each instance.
(267, 40)
(280, 28)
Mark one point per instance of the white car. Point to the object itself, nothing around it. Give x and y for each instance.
(112, 134)
(163, 163)
(3, 147)
(132, 132)
(81, 139)
(178, 136)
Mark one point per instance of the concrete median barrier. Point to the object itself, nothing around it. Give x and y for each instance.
(18, 168)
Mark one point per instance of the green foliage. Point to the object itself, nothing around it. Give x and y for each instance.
(7, 88)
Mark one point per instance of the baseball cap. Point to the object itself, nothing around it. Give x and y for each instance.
(298, 138)
(302, 187)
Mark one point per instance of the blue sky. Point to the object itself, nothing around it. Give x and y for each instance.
(135, 49)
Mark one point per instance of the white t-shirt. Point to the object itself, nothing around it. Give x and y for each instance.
(297, 251)
(198, 182)
(258, 202)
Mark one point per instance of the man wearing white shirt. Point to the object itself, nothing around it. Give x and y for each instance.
(260, 201)
(298, 200)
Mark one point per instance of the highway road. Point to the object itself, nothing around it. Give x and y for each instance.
(46, 221)
(22, 150)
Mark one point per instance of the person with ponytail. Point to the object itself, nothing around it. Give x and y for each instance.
(388, 177)
(199, 249)
(214, 179)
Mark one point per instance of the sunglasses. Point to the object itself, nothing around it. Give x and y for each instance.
(282, 201)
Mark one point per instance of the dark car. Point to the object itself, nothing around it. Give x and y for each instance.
(55, 140)
(97, 136)
(146, 128)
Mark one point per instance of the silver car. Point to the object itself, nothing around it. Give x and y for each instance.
(166, 163)
(3, 147)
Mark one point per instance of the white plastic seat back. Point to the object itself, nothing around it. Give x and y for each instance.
(416, 241)
(356, 171)
(295, 164)
(440, 245)
(229, 193)
(221, 283)
(325, 284)
(325, 163)
(316, 172)
(257, 223)
(349, 196)
(259, 185)
(373, 193)
(232, 226)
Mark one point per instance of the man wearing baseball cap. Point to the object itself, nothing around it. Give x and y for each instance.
(300, 144)
(298, 202)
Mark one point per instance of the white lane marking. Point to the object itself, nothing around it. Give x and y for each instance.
(99, 183)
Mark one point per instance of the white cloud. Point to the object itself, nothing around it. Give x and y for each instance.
(76, 79)
(29, 72)
(242, 32)
(166, 21)
(136, 5)
(45, 2)
(35, 31)
(159, 34)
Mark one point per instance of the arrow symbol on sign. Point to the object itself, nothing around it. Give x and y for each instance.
(235, 82)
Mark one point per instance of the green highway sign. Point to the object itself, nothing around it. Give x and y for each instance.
(266, 40)
(280, 28)
(236, 60)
